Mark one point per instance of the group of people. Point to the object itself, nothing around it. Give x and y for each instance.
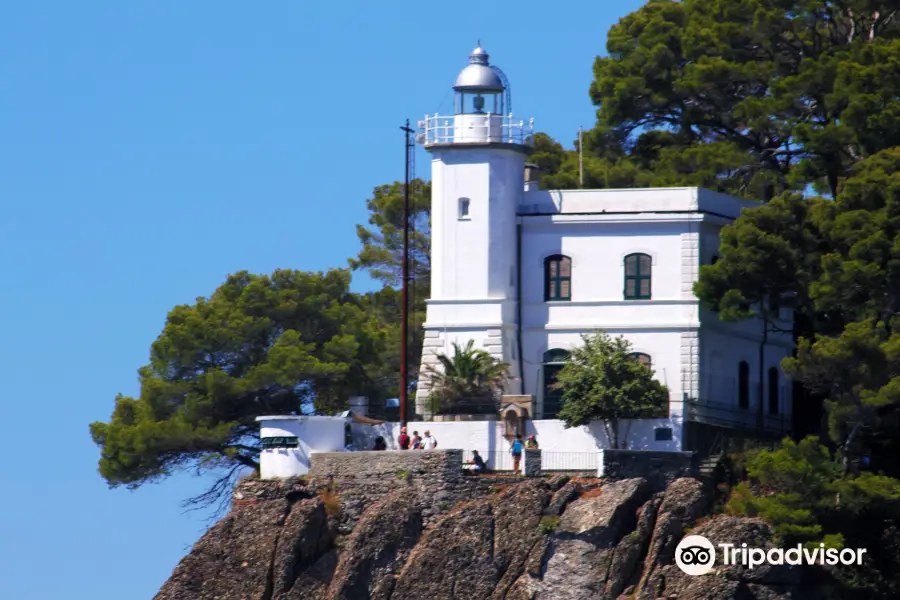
(416, 442)
(476, 465)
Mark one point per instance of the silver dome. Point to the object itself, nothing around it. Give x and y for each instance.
(478, 76)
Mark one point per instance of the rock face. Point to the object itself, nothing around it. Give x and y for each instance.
(532, 539)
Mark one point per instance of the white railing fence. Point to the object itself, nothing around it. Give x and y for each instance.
(487, 128)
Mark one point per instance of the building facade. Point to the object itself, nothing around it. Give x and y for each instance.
(526, 272)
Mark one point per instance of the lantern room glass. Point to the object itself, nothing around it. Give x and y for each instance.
(479, 103)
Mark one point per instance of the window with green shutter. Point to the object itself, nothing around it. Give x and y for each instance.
(644, 359)
(637, 276)
(557, 278)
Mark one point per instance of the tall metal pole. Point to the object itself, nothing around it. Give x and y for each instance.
(580, 159)
(404, 302)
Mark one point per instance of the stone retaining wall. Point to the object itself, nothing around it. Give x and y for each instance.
(433, 477)
(659, 468)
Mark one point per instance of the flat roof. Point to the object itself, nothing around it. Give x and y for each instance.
(298, 418)
(632, 200)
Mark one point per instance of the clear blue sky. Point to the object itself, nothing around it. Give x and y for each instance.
(148, 149)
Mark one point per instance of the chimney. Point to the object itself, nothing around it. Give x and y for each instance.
(359, 405)
(532, 177)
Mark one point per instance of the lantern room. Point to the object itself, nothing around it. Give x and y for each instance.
(479, 87)
(482, 110)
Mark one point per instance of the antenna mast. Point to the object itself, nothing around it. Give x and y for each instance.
(580, 159)
(404, 302)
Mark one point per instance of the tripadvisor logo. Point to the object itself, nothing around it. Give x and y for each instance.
(696, 555)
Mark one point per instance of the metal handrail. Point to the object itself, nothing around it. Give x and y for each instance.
(551, 461)
(437, 129)
(729, 415)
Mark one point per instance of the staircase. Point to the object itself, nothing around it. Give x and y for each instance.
(707, 467)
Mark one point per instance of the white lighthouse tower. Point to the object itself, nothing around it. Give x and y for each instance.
(477, 173)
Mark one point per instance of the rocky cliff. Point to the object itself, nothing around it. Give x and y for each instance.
(516, 539)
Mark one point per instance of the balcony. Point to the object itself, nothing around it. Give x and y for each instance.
(477, 129)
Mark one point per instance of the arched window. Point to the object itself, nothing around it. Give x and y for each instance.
(643, 358)
(553, 360)
(556, 355)
(558, 278)
(773, 391)
(744, 384)
(637, 276)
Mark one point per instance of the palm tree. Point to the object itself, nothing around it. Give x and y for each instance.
(470, 377)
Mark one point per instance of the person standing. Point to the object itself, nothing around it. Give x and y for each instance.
(428, 442)
(531, 443)
(416, 442)
(516, 450)
(403, 440)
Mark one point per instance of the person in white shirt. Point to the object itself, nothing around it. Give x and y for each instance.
(428, 442)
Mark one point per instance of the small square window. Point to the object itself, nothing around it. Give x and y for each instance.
(663, 434)
(463, 208)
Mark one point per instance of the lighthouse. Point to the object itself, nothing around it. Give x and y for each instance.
(477, 175)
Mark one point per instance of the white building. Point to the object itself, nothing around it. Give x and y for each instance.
(524, 273)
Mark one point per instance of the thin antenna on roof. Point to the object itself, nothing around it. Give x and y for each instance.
(580, 159)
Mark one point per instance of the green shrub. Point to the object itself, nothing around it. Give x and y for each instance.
(549, 523)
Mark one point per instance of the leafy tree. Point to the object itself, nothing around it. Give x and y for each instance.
(859, 369)
(771, 253)
(792, 482)
(259, 345)
(382, 242)
(798, 488)
(603, 380)
(758, 96)
(837, 265)
(382, 257)
(470, 376)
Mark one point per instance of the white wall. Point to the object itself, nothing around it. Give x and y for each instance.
(315, 434)
(473, 257)
(722, 354)
(559, 445)
(598, 251)
(664, 348)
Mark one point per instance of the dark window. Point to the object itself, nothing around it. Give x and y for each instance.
(554, 360)
(643, 358)
(773, 391)
(637, 277)
(463, 208)
(279, 442)
(558, 278)
(743, 384)
(663, 434)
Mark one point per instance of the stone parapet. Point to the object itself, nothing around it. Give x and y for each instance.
(658, 467)
(433, 478)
